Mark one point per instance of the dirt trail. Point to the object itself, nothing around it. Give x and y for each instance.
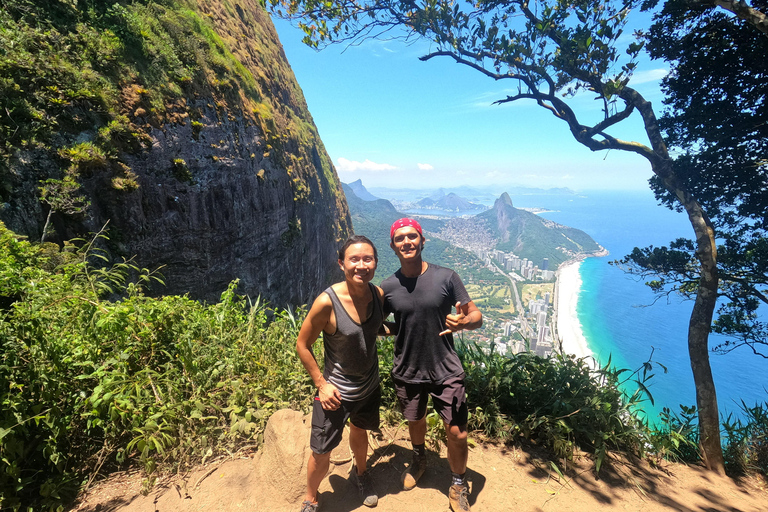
(502, 479)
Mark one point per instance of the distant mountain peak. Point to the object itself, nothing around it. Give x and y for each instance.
(448, 202)
(504, 199)
(438, 194)
(360, 191)
(529, 236)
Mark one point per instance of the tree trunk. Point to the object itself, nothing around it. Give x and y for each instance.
(701, 322)
(706, 295)
(47, 222)
(698, 351)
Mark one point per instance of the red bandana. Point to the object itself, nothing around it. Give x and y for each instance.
(401, 223)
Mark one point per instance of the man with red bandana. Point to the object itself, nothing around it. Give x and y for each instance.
(422, 297)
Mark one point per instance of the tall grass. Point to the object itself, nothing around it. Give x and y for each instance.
(559, 402)
(87, 383)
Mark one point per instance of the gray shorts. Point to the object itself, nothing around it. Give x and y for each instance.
(448, 398)
(328, 426)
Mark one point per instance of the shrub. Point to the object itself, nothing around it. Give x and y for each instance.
(677, 437)
(560, 402)
(746, 441)
(181, 171)
(88, 383)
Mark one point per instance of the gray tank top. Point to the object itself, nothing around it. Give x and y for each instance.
(351, 359)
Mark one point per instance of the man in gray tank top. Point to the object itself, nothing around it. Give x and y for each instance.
(349, 314)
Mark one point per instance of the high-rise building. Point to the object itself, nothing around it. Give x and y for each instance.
(541, 338)
(545, 264)
(541, 318)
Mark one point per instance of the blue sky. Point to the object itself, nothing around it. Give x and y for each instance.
(393, 121)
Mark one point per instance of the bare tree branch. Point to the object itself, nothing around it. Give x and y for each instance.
(742, 10)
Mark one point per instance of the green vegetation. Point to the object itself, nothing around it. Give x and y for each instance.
(493, 295)
(95, 375)
(90, 383)
(68, 69)
(558, 401)
(84, 82)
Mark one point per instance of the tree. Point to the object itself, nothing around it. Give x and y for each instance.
(62, 196)
(752, 15)
(551, 49)
(717, 107)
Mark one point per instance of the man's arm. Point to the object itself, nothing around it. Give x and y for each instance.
(387, 328)
(317, 318)
(467, 318)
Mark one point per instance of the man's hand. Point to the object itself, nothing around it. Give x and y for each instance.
(454, 322)
(330, 398)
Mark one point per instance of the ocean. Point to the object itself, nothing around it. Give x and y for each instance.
(621, 317)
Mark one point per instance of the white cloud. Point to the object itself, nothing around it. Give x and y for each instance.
(344, 165)
(425, 167)
(651, 75)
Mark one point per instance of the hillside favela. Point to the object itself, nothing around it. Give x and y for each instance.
(332, 256)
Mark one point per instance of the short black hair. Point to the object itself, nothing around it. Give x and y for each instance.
(357, 239)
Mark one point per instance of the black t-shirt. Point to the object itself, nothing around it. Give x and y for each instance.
(420, 305)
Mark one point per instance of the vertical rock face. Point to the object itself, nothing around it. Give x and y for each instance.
(233, 180)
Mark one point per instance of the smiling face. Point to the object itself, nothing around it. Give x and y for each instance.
(407, 244)
(359, 263)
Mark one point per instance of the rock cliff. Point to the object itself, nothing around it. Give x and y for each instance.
(193, 142)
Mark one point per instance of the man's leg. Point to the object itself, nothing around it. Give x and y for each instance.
(358, 442)
(450, 400)
(326, 431)
(418, 431)
(317, 468)
(365, 417)
(413, 400)
(458, 452)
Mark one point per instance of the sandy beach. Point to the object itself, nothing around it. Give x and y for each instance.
(568, 325)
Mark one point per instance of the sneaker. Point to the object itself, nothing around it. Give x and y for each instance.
(308, 506)
(414, 472)
(458, 497)
(365, 486)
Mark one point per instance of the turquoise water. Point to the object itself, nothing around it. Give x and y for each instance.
(619, 316)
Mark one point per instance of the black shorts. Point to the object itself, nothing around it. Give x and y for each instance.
(328, 426)
(449, 400)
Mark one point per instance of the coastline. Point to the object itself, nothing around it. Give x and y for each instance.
(572, 340)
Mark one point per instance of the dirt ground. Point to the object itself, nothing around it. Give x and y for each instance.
(501, 479)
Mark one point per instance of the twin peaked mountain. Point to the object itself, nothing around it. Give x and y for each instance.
(530, 236)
